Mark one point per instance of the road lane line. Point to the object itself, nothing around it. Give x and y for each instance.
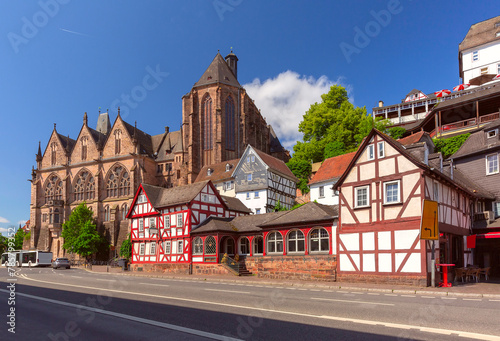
(106, 280)
(408, 296)
(222, 290)
(494, 300)
(76, 276)
(130, 317)
(159, 285)
(477, 336)
(373, 293)
(348, 301)
(427, 296)
(390, 295)
(471, 299)
(448, 298)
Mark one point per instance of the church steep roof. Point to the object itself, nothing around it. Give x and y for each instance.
(144, 140)
(218, 72)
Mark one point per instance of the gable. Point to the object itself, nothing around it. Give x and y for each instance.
(118, 132)
(54, 144)
(141, 205)
(84, 141)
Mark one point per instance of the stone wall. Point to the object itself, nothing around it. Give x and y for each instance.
(310, 267)
(210, 269)
(171, 268)
(383, 279)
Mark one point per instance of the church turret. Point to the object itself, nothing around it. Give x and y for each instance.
(39, 156)
(103, 123)
(232, 62)
(85, 119)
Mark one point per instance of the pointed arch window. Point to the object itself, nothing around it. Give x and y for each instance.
(124, 211)
(207, 124)
(53, 189)
(118, 184)
(118, 141)
(84, 187)
(230, 127)
(106, 213)
(84, 147)
(53, 153)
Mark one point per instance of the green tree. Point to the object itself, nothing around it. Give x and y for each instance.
(450, 146)
(333, 149)
(19, 239)
(396, 132)
(80, 234)
(3, 244)
(126, 248)
(301, 169)
(278, 207)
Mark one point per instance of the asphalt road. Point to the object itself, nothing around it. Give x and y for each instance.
(78, 305)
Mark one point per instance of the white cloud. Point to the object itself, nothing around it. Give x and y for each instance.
(3, 230)
(21, 222)
(284, 99)
(4, 221)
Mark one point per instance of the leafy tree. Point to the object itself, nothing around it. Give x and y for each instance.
(278, 207)
(19, 239)
(126, 248)
(80, 234)
(3, 243)
(449, 146)
(333, 149)
(396, 132)
(301, 169)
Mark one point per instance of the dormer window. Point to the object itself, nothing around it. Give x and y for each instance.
(228, 167)
(491, 133)
(210, 171)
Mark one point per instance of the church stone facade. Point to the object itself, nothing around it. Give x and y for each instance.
(105, 166)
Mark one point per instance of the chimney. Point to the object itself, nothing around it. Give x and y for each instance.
(167, 129)
(232, 62)
(380, 104)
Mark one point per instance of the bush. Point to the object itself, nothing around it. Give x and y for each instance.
(449, 146)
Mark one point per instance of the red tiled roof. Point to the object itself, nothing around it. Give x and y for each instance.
(276, 164)
(332, 168)
(414, 138)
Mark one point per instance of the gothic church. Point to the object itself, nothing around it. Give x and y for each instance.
(104, 166)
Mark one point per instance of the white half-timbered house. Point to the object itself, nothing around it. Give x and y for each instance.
(262, 180)
(380, 206)
(162, 220)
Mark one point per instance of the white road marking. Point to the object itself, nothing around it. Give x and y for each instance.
(408, 296)
(107, 280)
(390, 295)
(160, 285)
(472, 299)
(494, 300)
(448, 298)
(221, 290)
(314, 290)
(361, 302)
(76, 276)
(485, 337)
(373, 293)
(301, 289)
(131, 318)
(356, 293)
(427, 296)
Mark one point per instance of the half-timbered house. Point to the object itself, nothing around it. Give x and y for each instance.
(381, 196)
(162, 220)
(261, 181)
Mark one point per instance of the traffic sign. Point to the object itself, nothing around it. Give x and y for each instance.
(429, 228)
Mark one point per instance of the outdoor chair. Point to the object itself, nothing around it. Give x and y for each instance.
(460, 273)
(471, 274)
(485, 272)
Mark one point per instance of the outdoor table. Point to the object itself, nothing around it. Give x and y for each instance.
(444, 267)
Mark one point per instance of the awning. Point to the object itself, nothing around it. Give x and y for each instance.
(488, 235)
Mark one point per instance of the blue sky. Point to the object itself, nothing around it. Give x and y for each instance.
(61, 58)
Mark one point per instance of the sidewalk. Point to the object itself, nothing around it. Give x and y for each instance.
(490, 289)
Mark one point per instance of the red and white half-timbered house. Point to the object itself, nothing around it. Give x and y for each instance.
(380, 210)
(162, 220)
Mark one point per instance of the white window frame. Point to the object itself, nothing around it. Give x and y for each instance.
(152, 248)
(367, 187)
(370, 152)
(180, 246)
(321, 191)
(295, 241)
(475, 55)
(180, 220)
(495, 171)
(167, 247)
(496, 208)
(152, 223)
(381, 149)
(195, 251)
(256, 195)
(494, 131)
(249, 177)
(398, 182)
(142, 199)
(276, 242)
(320, 238)
(141, 225)
(252, 158)
(257, 211)
(436, 190)
(248, 159)
(248, 195)
(142, 248)
(166, 221)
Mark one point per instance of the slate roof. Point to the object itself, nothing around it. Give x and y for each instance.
(480, 33)
(247, 223)
(218, 72)
(163, 197)
(99, 138)
(410, 139)
(235, 204)
(332, 168)
(477, 142)
(170, 145)
(309, 212)
(276, 165)
(219, 171)
(143, 139)
(67, 142)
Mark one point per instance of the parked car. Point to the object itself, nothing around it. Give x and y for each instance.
(61, 263)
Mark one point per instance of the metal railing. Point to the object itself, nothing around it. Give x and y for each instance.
(232, 264)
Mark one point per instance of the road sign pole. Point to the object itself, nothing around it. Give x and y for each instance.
(433, 264)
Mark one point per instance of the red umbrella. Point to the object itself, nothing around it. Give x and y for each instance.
(442, 93)
(461, 87)
(497, 77)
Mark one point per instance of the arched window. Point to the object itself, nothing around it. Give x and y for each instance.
(258, 245)
(53, 189)
(84, 147)
(210, 246)
(244, 248)
(118, 183)
(207, 124)
(197, 246)
(296, 241)
(274, 242)
(53, 153)
(124, 211)
(118, 141)
(319, 240)
(230, 128)
(84, 187)
(106, 213)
